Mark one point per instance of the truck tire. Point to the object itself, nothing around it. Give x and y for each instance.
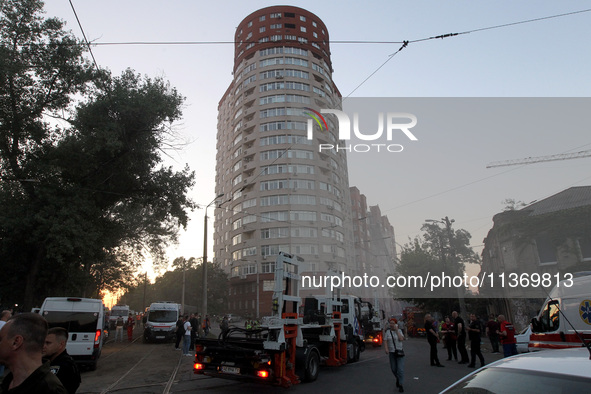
(357, 353)
(354, 356)
(307, 364)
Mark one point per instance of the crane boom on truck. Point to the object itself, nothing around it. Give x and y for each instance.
(292, 343)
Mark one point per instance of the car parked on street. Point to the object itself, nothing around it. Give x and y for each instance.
(523, 340)
(555, 371)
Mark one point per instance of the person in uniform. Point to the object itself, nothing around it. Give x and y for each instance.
(130, 323)
(61, 363)
(21, 349)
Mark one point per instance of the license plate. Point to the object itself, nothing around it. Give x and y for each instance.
(160, 337)
(233, 370)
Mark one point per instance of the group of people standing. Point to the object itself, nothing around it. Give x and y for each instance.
(188, 328)
(454, 332)
(121, 324)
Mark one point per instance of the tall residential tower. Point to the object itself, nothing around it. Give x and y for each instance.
(281, 193)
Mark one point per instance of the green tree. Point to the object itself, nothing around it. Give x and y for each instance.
(168, 287)
(512, 205)
(440, 250)
(85, 199)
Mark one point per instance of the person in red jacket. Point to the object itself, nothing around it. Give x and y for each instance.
(507, 336)
(130, 323)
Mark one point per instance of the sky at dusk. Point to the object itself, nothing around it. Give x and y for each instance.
(495, 60)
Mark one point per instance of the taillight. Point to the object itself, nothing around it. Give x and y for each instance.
(263, 374)
(198, 366)
(198, 347)
(97, 338)
(376, 340)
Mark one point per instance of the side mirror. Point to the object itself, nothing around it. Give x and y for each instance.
(536, 326)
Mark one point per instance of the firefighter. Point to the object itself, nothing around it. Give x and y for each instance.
(130, 323)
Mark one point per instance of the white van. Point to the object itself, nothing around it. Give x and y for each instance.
(116, 312)
(161, 321)
(84, 318)
(568, 308)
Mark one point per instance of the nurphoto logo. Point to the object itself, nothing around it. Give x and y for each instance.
(391, 123)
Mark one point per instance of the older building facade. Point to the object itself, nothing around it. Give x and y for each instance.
(547, 239)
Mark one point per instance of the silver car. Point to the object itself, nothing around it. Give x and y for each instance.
(548, 371)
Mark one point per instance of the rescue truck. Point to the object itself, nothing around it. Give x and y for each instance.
(371, 322)
(565, 319)
(290, 346)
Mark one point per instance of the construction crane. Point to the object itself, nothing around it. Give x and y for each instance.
(540, 159)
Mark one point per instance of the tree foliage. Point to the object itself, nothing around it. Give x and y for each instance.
(86, 197)
(168, 287)
(439, 251)
(512, 205)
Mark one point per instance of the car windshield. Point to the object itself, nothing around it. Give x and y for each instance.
(505, 380)
(120, 312)
(72, 321)
(163, 316)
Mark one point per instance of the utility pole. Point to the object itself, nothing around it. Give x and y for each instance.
(183, 295)
(204, 279)
(452, 257)
(145, 284)
(452, 252)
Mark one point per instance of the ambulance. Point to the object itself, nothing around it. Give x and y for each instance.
(565, 319)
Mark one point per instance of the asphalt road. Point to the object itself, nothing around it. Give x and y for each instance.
(135, 367)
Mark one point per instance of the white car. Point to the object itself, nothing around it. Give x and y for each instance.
(552, 371)
(523, 340)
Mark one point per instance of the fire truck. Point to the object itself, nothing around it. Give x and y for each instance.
(290, 345)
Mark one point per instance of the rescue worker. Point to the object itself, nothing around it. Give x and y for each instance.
(130, 323)
(119, 329)
(248, 326)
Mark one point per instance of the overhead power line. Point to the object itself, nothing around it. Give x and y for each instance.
(379, 42)
(540, 159)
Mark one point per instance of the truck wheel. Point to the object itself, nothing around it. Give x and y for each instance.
(354, 356)
(311, 367)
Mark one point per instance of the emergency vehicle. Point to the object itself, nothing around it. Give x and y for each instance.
(372, 322)
(161, 321)
(290, 345)
(565, 319)
(116, 312)
(84, 320)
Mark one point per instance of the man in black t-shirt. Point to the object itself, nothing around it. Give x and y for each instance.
(461, 335)
(474, 333)
(180, 331)
(432, 338)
